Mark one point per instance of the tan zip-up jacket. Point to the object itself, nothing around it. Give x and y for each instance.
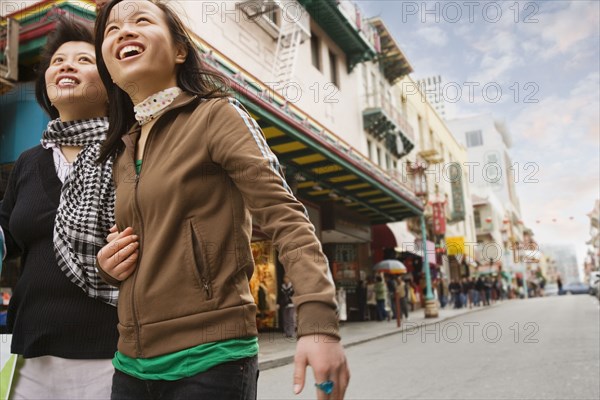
(206, 169)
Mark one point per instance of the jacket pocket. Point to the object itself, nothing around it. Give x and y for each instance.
(201, 268)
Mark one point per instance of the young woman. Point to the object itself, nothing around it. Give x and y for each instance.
(57, 207)
(192, 167)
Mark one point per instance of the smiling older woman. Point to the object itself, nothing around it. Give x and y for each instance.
(57, 208)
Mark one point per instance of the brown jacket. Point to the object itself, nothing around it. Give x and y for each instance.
(206, 169)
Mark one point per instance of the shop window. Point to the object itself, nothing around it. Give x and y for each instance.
(263, 284)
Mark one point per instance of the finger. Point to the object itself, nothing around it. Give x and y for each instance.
(123, 254)
(125, 232)
(127, 267)
(120, 244)
(320, 378)
(113, 228)
(300, 363)
(341, 382)
(112, 236)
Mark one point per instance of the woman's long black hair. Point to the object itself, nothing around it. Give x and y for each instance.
(192, 77)
(67, 29)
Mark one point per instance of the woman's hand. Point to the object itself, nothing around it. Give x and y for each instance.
(113, 234)
(119, 257)
(325, 355)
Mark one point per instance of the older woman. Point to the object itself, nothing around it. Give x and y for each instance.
(55, 213)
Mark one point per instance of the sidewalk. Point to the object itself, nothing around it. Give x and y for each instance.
(276, 350)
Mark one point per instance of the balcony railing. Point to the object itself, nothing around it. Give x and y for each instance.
(376, 100)
(9, 53)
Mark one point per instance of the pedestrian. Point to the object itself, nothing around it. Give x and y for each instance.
(402, 293)
(55, 213)
(456, 290)
(289, 313)
(443, 291)
(559, 284)
(361, 297)
(465, 299)
(391, 289)
(480, 289)
(380, 297)
(487, 288)
(371, 299)
(184, 212)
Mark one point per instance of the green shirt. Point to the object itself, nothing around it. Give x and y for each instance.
(188, 362)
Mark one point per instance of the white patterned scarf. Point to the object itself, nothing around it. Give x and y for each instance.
(86, 210)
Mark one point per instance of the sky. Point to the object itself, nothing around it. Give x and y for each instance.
(544, 56)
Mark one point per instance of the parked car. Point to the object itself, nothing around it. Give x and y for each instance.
(551, 289)
(575, 288)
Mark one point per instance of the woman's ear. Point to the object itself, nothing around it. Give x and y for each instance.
(181, 54)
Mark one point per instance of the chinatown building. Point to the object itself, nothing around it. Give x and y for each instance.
(295, 66)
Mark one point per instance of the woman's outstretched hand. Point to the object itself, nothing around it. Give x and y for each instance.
(326, 356)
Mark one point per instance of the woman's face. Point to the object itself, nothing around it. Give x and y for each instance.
(73, 84)
(138, 49)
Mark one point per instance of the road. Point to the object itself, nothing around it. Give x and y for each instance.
(542, 348)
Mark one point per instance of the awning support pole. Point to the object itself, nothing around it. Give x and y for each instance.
(428, 292)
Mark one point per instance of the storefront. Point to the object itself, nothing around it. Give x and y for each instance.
(346, 238)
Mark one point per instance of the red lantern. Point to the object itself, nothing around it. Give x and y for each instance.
(488, 220)
(505, 221)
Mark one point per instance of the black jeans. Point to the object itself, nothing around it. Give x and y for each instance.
(234, 380)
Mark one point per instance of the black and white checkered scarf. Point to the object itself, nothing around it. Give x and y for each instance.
(86, 210)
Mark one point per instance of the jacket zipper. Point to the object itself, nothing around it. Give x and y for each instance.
(141, 236)
(200, 264)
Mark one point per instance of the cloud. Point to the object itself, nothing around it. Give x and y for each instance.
(570, 27)
(556, 118)
(433, 35)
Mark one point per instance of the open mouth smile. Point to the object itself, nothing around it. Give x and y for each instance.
(129, 51)
(67, 81)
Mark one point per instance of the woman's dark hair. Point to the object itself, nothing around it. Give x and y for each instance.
(192, 77)
(67, 29)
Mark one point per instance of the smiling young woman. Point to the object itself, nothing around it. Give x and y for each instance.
(55, 213)
(187, 319)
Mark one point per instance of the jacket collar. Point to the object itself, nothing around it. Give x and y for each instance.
(131, 137)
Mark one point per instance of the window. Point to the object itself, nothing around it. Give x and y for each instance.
(378, 161)
(388, 163)
(477, 217)
(273, 15)
(369, 152)
(315, 51)
(333, 69)
(474, 139)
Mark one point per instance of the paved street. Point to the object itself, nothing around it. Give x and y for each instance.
(543, 348)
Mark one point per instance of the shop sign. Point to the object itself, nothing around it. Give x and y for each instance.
(439, 218)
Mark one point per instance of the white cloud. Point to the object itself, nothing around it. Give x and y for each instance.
(565, 30)
(433, 35)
